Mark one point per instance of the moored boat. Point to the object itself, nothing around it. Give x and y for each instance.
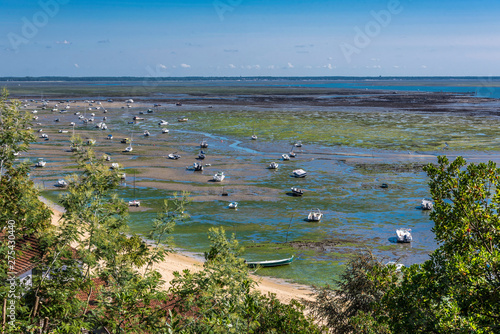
(233, 205)
(273, 165)
(40, 163)
(299, 173)
(61, 183)
(427, 204)
(296, 191)
(404, 235)
(285, 157)
(269, 263)
(219, 177)
(314, 215)
(174, 156)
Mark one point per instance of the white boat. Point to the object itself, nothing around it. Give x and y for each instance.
(427, 204)
(296, 191)
(174, 156)
(219, 177)
(44, 135)
(298, 144)
(285, 157)
(109, 137)
(404, 235)
(40, 163)
(107, 158)
(146, 133)
(273, 165)
(198, 167)
(165, 131)
(63, 131)
(398, 266)
(115, 165)
(233, 205)
(128, 148)
(254, 137)
(299, 173)
(314, 215)
(134, 203)
(203, 144)
(61, 183)
(163, 123)
(292, 154)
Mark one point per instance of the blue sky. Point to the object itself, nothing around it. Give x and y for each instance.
(249, 38)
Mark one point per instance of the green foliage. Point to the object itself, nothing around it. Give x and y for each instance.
(355, 298)
(221, 297)
(457, 290)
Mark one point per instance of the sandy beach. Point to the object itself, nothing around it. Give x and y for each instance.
(284, 291)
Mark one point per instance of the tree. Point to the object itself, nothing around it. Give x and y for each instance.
(352, 302)
(221, 298)
(458, 289)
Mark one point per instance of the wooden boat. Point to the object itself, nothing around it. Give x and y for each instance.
(182, 119)
(233, 205)
(404, 235)
(273, 165)
(296, 191)
(315, 215)
(219, 177)
(269, 263)
(427, 204)
(299, 173)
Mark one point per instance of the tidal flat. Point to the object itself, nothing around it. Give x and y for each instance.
(353, 141)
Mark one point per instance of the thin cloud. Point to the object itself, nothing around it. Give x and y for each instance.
(63, 42)
(290, 65)
(77, 66)
(232, 66)
(104, 41)
(163, 67)
(423, 66)
(185, 66)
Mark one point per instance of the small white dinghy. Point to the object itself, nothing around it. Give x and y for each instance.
(404, 235)
(219, 177)
(134, 203)
(299, 173)
(233, 205)
(163, 123)
(397, 265)
(165, 131)
(315, 215)
(427, 204)
(146, 133)
(115, 165)
(273, 165)
(285, 157)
